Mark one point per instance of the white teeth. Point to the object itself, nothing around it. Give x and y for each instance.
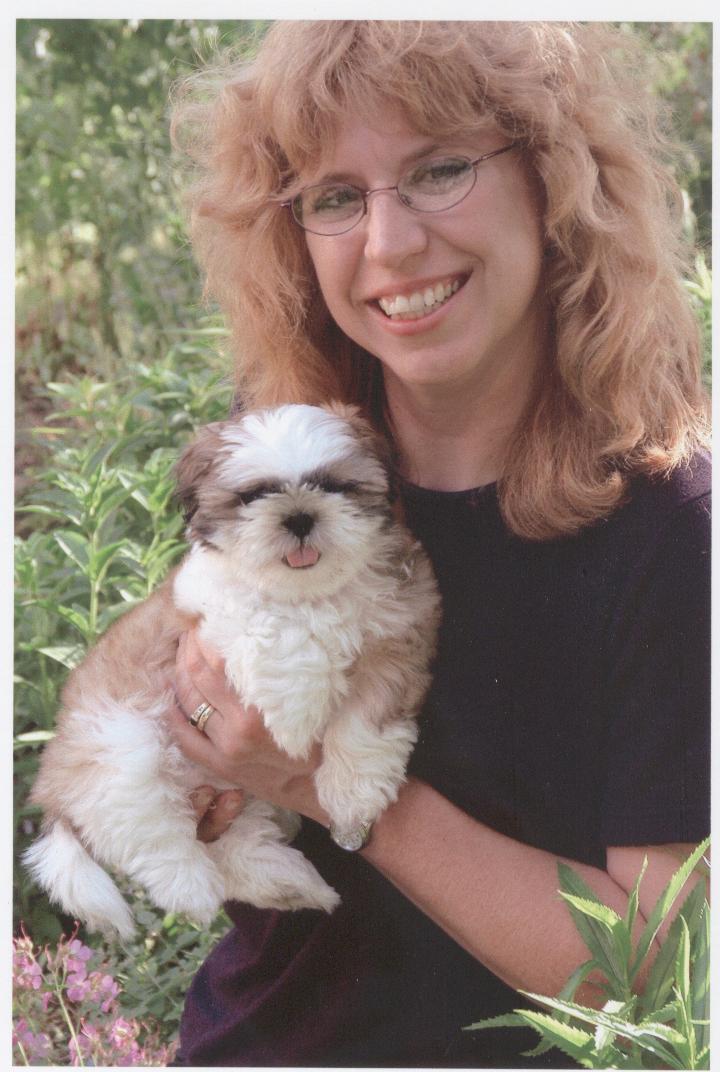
(415, 305)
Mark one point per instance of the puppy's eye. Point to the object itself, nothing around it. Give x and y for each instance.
(336, 487)
(244, 498)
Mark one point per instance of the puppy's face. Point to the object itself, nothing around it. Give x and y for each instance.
(295, 495)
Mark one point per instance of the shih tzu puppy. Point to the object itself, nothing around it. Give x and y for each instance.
(325, 611)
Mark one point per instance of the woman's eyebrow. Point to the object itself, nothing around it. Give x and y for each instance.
(407, 161)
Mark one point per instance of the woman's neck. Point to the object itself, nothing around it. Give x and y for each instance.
(452, 441)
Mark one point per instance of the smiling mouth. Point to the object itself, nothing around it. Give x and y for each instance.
(420, 302)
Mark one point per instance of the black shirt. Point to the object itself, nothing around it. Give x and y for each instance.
(569, 710)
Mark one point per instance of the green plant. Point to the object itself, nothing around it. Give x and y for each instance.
(667, 1025)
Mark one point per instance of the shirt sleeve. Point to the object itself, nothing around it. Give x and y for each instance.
(657, 747)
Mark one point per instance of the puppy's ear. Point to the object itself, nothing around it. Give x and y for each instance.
(370, 439)
(194, 466)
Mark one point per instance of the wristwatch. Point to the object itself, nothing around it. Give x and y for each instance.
(353, 839)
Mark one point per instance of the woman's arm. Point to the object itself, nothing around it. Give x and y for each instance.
(495, 896)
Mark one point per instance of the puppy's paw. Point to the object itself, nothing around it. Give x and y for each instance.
(193, 886)
(278, 876)
(292, 738)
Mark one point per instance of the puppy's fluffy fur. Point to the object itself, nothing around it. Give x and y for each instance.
(325, 611)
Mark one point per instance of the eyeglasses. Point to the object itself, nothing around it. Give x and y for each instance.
(332, 208)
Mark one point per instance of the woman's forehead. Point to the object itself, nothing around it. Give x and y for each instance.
(388, 135)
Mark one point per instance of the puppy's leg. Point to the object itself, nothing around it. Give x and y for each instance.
(363, 767)
(258, 867)
(131, 805)
(294, 685)
(368, 742)
(179, 874)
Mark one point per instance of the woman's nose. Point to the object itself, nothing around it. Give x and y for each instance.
(393, 232)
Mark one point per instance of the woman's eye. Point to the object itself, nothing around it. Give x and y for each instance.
(438, 174)
(330, 200)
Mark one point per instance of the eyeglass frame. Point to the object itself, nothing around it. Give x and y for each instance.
(388, 189)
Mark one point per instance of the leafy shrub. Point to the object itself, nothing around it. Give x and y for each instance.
(665, 1026)
(97, 532)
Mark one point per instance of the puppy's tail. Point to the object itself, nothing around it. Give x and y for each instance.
(59, 863)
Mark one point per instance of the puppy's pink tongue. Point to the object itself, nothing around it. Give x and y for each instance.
(302, 557)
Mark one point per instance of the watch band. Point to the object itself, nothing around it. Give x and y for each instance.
(353, 839)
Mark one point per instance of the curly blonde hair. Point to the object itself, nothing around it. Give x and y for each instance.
(621, 392)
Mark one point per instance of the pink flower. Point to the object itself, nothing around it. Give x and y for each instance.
(36, 1046)
(88, 1039)
(77, 949)
(108, 990)
(123, 1030)
(78, 956)
(27, 973)
(77, 988)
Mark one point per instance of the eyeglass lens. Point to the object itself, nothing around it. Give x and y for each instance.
(433, 185)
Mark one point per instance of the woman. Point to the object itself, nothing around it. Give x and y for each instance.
(465, 229)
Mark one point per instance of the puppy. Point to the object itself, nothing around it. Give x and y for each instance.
(326, 613)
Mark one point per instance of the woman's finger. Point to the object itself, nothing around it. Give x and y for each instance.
(195, 745)
(198, 649)
(226, 806)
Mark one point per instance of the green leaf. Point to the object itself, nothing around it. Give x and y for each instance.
(634, 900)
(664, 904)
(594, 909)
(101, 559)
(511, 1019)
(700, 1007)
(571, 1040)
(77, 618)
(601, 929)
(67, 654)
(662, 973)
(35, 737)
(652, 1036)
(75, 547)
(566, 994)
(682, 963)
(605, 1036)
(703, 1058)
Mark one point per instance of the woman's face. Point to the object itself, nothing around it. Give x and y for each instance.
(490, 244)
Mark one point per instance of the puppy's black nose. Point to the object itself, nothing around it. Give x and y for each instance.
(301, 525)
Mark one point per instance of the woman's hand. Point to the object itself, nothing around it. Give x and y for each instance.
(234, 744)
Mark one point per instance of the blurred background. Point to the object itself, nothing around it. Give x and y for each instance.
(117, 361)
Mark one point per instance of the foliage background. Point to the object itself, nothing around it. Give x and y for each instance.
(118, 360)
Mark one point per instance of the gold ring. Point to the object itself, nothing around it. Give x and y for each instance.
(200, 716)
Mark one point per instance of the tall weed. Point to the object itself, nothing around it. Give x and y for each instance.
(667, 1025)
